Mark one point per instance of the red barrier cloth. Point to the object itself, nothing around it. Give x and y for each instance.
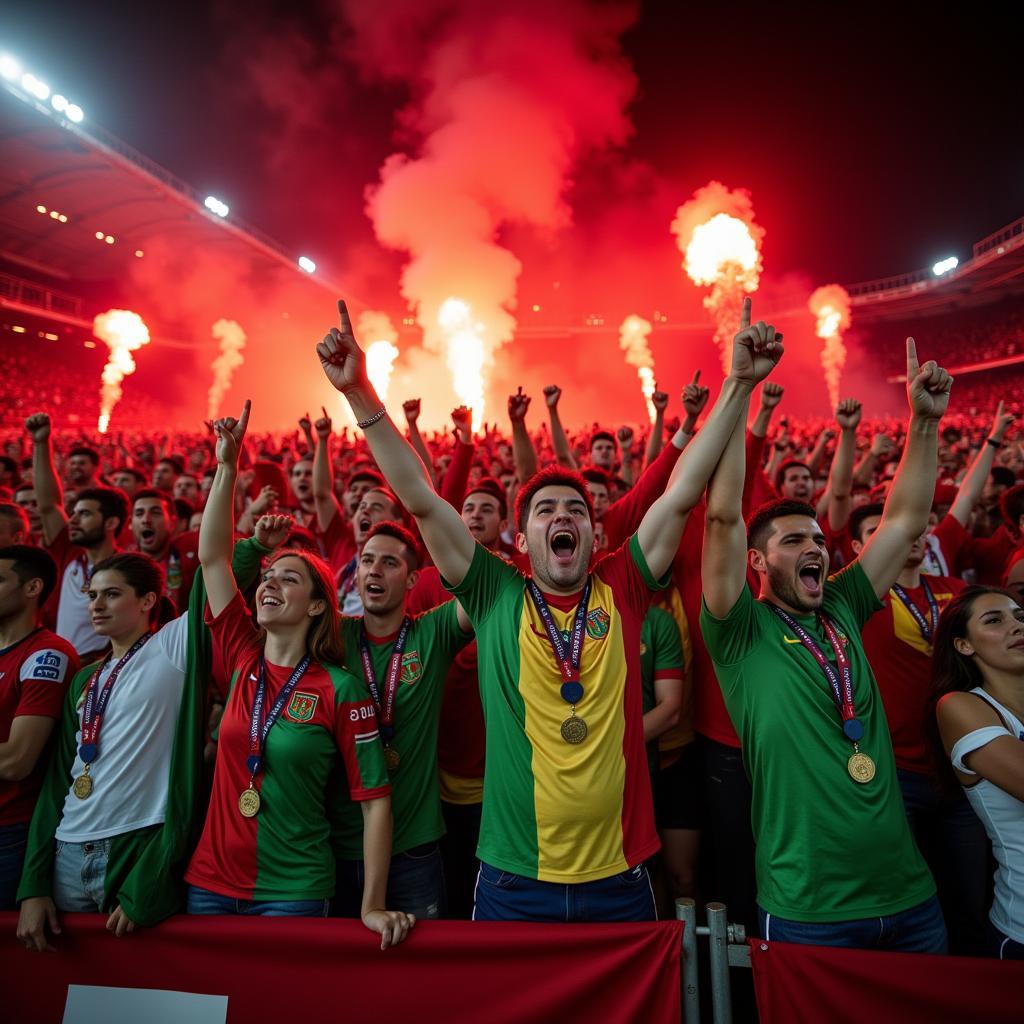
(797, 984)
(287, 969)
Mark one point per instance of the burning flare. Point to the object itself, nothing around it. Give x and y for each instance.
(232, 341)
(633, 340)
(123, 332)
(381, 352)
(721, 245)
(467, 354)
(831, 305)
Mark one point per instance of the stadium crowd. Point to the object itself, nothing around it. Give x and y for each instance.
(524, 674)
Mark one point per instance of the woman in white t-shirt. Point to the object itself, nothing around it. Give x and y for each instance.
(978, 676)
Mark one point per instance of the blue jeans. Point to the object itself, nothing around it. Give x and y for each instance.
(503, 896)
(917, 930)
(12, 859)
(79, 876)
(1002, 947)
(953, 842)
(202, 901)
(415, 884)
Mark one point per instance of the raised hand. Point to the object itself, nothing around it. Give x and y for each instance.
(1002, 423)
(756, 349)
(463, 420)
(771, 394)
(265, 501)
(411, 408)
(848, 414)
(928, 386)
(38, 427)
(659, 400)
(625, 436)
(341, 358)
(305, 424)
(552, 393)
(230, 433)
(695, 397)
(323, 425)
(883, 446)
(517, 406)
(272, 531)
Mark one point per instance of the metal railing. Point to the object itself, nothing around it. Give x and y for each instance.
(727, 947)
(37, 296)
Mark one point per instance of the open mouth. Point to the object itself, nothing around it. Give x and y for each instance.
(364, 525)
(147, 536)
(811, 575)
(374, 589)
(563, 545)
(269, 601)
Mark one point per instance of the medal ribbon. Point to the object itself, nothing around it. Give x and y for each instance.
(928, 626)
(96, 703)
(385, 707)
(841, 681)
(259, 727)
(568, 660)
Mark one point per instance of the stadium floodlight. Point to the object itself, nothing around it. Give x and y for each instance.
(945, 266)
(35, 86)
(59, 103)
(215, 205)
(307, 264)
(9, 67)
(75, 113)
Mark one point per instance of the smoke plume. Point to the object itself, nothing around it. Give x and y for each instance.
(232, 341)
(633, 334)
(123, 332)
(830, 304)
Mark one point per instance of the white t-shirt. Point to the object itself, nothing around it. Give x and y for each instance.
(130, 773)
(73, 621)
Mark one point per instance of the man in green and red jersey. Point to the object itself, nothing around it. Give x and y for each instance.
(568, 818)
(898, 643)
(404, 661)
(836, 862)
(461, 744)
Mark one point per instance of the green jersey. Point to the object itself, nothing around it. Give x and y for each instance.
(661, 657)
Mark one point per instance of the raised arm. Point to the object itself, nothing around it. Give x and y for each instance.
(216, 532)
(657, 439)
(756, 350)
(905, 516)
(560, 443)
(840, 476)
(49, 495)
(411, 408)
(456, 479)
(326, 503)
(973, 483)
(446, 536)
(625, 439)
(523, 453)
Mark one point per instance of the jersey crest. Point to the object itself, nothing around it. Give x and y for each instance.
(598, 623)
(302, 706)
(412, 667)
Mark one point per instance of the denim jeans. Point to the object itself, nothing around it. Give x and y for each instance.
(79, 876)
(1002, 947)
(953, 842)
(415, 884)
(919, 929)
(503, 896)
(12, 858)
(202, 901)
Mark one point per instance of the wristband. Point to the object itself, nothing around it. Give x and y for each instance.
(375, 418)
(995, 444)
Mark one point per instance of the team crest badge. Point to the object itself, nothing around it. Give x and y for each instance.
(643, 648)
(598, 622)
(412, 668)
(302, 706)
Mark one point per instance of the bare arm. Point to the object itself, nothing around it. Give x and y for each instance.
(524, 455)
(840, 477)
(560, 443)
(818, 451)
(49, 495)
(392, 925)
(910, 499)
(771, 395)
(446, 536)
(411, 408)
(668, 699)
(326, 503)
(1001, 761)
(657, 439)
(973, 482)
(24, 746)
(625, 437)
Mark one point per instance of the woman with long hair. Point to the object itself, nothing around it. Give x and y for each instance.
(292, 715)
(978, 676)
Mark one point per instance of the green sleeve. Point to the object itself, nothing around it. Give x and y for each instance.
(447, 637)
(478, 592)
(668, 648)
(854, 588)
(37, 873)
(731, 639)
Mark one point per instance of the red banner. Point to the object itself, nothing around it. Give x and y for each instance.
(275, 969)
(808, 984)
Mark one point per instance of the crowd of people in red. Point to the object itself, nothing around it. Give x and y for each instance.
(188, 538)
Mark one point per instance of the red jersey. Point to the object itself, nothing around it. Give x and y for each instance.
(34, 677)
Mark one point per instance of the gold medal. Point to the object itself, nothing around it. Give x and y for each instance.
(83, 785)
(860, 767)
(392, 759)
(574, 729)
(249, 803)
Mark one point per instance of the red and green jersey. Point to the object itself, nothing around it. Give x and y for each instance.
(433, 641)
(552, 810)
(661, 657)
(283, 853)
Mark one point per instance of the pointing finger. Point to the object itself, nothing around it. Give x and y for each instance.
(243, 420)
(745, 314)
(912, 364)
(346, 322)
